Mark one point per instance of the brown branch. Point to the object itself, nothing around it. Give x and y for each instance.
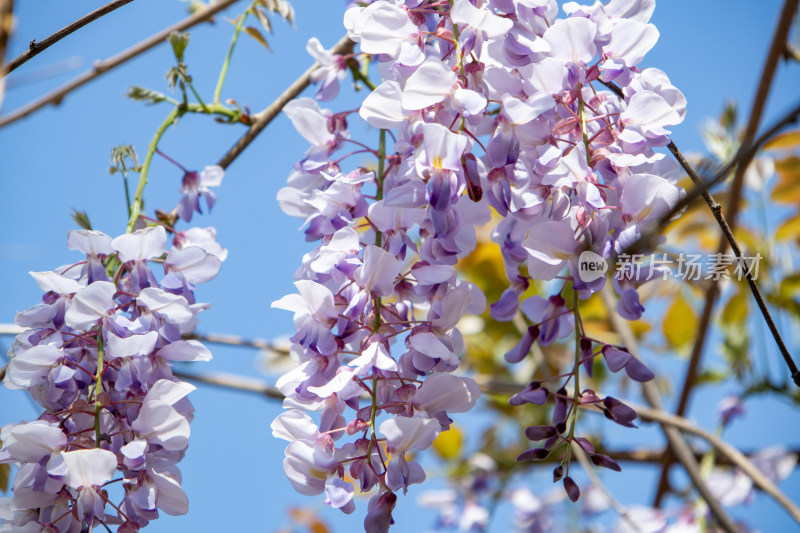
(234, 340)
(37, 47)
(232, 381)
(728, 223)
(101, 67)
(732, 454)
(677, 444)
(263, 118)
(6, 24)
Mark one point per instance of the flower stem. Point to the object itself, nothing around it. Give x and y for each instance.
(224, 71)
(377, 308)
(136, 207)
(576, 397)
(98, 388)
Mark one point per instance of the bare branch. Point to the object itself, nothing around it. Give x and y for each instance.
(37, 47)
(736, 457)
(676, 442)
(233, 340)
(232, 381)
(263, 118)
(777, 47)
(101, 67)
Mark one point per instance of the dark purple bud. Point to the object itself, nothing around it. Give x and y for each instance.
(379, 516)
(616, 358)
(560, 410)
(533, 393)
(589, 396)
(474, 67)
(535, 433)
(534, 454)
(637, 371)
(417, 18)
(50, 297)
(558, 473)
(606, 462)
(470, 164)
(355, 426)
(586, 444)
(586, 355)
(619, 412)
(518, 352)
(573, 492)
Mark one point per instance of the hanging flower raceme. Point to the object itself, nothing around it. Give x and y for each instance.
(96, 354)
(491, 105)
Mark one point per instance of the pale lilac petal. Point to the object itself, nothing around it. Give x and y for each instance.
(170, 497)
(431, 83)
(32, 365)
(92, 303)
(378, 274)
(630, 41)
(87, 468)
(130, 346)
(464, 13)
(403, 434)
(446, 392)
(89, 242)
(51, 281)
(31, 442)
(190, 350)
(294, 425)
(428, 344)
(142, 244)
(196, 265)
(382, 108)
(572, 40)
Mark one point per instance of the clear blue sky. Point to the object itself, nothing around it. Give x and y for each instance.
(57, 159)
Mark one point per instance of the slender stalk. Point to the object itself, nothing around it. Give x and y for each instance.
(98, 388)
(576, 397)
(36, 47)
(101, 67)
(377, 310)
(136, 208)
(263, 118)
(224, 71)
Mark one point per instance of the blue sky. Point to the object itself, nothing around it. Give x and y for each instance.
(57, 159)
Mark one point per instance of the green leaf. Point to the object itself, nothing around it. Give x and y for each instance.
(81, 219)
(728, 118)
(680, 322)
(787, 189)
(143, 94)
(179, 42)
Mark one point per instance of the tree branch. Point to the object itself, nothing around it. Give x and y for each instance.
(712, 294)
(736, 457)
(37, 47)
(263, 118)
(232, 381)
(101, 67)
(676, 442)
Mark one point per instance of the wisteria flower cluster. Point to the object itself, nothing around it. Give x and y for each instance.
(485, 106)
(97, 356)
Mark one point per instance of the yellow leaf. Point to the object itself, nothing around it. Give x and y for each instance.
(679, 323)
(789, 228)
(255, 34)
(448, 444)
(736, 309)
(788, 188)
(788, 139)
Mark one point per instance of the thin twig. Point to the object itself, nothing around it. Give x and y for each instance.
(263, 118)
(727, 223)
(101, 67)
(733, 455)
(232, 381)
(37, 47)
(677, 444)
(234, 340)
(580, 454)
